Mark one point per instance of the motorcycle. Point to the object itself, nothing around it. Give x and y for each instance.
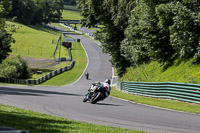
(95, 94)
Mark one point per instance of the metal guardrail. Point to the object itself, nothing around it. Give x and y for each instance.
(170, 90)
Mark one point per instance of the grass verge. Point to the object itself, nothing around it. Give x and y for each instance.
(80, 58)
(163, 103)
(41, 123)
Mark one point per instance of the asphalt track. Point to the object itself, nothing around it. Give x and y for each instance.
(66, 101)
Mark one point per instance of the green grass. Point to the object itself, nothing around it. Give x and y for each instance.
(69, 7)
(80, 58)
(163, 103)
(36, 41)
(44, 72)
(71, 15)
(41, 123)
(180, 71)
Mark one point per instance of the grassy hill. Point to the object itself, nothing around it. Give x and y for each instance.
(36, 41)
(39, 42)
(180, 71)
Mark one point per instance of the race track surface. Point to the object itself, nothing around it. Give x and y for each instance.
(66, 101)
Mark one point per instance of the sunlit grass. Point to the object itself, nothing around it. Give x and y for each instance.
(36, 41)
(163, 103)
(71, 15)
(180, 71)
(41, 123)
(80, 58)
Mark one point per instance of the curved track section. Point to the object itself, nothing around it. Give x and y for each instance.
(66, 101)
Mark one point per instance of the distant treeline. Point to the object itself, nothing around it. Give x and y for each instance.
(70, 2)
(34, 11)
(141, 31)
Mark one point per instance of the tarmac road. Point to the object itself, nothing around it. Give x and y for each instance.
(66, 101)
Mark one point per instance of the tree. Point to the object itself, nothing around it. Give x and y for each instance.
(162, 31)
(5, 34)
(36, 11)
(113, 15)
(139, 31)
(70, 2)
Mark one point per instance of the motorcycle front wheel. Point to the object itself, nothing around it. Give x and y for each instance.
(96, 97)
(85, 99)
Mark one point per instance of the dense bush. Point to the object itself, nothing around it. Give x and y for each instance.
(15, 67)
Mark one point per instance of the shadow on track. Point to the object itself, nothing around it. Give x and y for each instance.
(108, 104)
(16, 91)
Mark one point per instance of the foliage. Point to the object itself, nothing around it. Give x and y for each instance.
(70, 2)
(183, 26)
(15, 67)
(5, 32)
(36, 11)
(114, 16)
(139, 31)
(162, 31)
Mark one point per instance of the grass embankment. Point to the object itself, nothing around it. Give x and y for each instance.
(180, 71)
(36, 41)
(41, 123)
(163, 103)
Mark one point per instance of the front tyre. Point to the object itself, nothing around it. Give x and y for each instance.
(96, 98)
(85, 99)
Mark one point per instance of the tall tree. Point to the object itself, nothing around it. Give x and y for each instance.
(162, 31)
(36, 11)
(5, 33)
(113, 15)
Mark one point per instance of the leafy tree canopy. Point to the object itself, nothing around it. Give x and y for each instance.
(5, 31)
(36, 11)
(70, 2)
(136, 32)
(113, 15)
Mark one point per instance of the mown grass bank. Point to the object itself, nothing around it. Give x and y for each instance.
(163, 103)
(36, 41)
(41, 123)
(179, 71)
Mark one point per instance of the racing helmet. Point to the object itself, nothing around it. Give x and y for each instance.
(107, 81)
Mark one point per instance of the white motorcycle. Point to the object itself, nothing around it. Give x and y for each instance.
(95, 93)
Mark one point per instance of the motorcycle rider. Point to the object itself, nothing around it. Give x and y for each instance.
(107, 88)
(102, 86)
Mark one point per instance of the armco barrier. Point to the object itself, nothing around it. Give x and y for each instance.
(170, 90)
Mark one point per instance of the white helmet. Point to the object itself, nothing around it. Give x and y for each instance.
(107, 81)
